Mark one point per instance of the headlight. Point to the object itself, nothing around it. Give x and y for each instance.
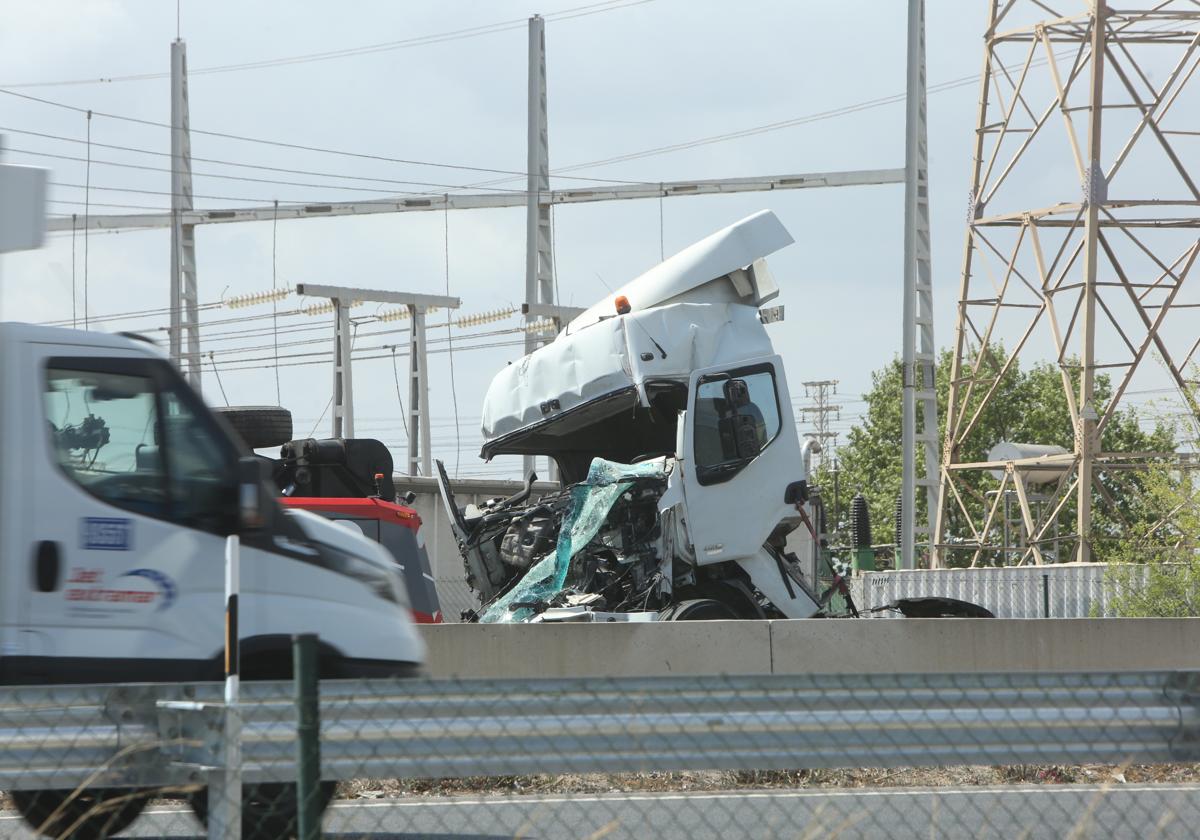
(379, 580)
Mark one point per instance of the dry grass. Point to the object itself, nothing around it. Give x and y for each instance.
(717, 780)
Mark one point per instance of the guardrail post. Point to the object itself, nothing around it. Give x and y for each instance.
(308, 737)
(225, 784)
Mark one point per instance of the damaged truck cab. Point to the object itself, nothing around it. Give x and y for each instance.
(667, 412)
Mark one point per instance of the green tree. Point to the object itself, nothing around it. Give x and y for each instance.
(1154, 566)
(1029, 406)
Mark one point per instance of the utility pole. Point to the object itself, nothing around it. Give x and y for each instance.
(822, 411)
(342, 298)
(919, 352)
(184, 299)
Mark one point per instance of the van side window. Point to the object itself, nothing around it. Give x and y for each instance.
(105, 432)
(132, 434)
(736, 417)
(200, 464)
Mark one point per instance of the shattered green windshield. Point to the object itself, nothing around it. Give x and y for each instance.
(590, 503)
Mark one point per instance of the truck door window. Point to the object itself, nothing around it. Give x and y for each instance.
(728, 436)
(104, 432)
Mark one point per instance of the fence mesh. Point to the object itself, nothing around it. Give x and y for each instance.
(1083, 755)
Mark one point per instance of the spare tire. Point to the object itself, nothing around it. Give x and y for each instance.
(260, 426)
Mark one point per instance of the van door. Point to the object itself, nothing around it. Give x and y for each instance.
(131, 487)
(740, 454)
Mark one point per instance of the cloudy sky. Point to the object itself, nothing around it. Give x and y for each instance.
(626, 77)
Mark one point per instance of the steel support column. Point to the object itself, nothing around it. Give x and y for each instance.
(1095, 194)
(185, 313)
(419, 455)
(919, 361)
(539, 259)
(343, 370)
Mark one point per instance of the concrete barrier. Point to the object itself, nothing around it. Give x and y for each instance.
(585, 650)
(814, 646)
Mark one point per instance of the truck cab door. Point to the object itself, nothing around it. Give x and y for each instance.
(130, 489)
(740, 453)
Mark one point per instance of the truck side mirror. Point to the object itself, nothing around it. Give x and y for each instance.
(251, 507)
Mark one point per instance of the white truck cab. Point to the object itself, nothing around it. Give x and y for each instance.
(118, 488)
(669, 391)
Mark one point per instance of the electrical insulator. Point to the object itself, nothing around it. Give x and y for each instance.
(899, 518)
(323, 308)
(394, 315)
(478, 319)
(860, 521)
(256, 298)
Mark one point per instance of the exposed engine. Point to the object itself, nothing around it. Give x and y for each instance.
(619, 569)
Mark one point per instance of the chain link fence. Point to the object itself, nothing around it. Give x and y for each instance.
(1021, 756)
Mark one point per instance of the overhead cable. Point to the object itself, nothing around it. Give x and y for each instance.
(279, 143)
(418, 41)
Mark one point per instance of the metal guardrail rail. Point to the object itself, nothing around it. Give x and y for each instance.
(62, 737)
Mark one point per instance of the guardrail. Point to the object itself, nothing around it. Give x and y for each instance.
(170, 735)
(131, 735)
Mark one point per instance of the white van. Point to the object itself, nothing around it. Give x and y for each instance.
(117, 490)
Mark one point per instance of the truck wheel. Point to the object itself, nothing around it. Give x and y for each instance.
(699, 609)
(86, 815)
(260, 426)
(269, 810)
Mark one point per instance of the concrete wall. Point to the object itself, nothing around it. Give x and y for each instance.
(813, 646)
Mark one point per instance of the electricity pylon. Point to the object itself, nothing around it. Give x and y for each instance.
(1081, 231)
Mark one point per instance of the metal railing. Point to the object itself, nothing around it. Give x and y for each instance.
(169, 736)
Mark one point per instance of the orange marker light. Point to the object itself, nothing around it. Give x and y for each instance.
(623, 306)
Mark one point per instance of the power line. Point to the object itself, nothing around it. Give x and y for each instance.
(418, 41)
(87, 197)
(99, 204)
(283, 144)
(265, 168)
(255, 364)
(159, 192)
(249, 179)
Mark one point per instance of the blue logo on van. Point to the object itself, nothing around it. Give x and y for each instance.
(164, 583)
(104, 533)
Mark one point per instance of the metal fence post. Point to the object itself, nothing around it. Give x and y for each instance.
(308, 736)
(1045, 595)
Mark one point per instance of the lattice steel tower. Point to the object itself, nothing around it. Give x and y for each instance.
(1081, 230)
(821, 411)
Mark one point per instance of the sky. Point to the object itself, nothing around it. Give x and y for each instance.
(625, 77)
